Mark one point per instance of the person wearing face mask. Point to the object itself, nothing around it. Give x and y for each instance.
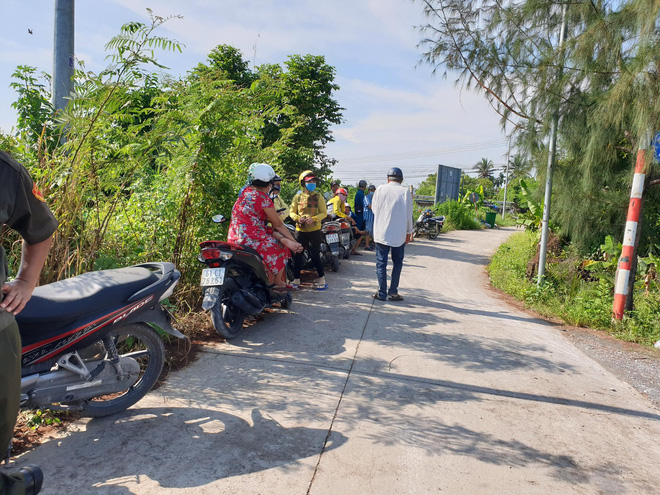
(368, 217)
(308, 210)
(281, 207)
(338, 205)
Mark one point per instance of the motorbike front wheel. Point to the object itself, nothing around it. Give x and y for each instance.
(226, 317)
(143, 344)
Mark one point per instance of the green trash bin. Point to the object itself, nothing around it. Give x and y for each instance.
(490, 218)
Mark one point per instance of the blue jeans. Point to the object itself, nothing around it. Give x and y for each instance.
(382, 251)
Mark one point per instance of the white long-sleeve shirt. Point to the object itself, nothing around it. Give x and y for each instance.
(392, 207)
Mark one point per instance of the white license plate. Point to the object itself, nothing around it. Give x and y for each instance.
(213, 276)
(332, 238)
(345, 237)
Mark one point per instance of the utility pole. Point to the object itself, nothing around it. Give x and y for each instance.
(506, 178)
(63, 53)
(625, 273)
(552, 147)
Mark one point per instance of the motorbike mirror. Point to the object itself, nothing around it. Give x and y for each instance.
(218, 218)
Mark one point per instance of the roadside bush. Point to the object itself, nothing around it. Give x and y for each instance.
(457, 216)
(580, 297)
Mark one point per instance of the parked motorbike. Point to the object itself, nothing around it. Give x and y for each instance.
(235, 284)
(330, 244)
(347, 240)
(428, 224)
(87, 341)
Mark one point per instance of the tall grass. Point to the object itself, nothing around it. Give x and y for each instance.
(578, 297)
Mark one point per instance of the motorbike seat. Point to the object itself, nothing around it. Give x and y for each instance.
(55, 305)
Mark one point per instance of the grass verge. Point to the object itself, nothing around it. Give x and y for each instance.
(576, 296)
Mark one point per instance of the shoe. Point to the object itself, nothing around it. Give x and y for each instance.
(395, 297)
(34, 478)
(379, 297)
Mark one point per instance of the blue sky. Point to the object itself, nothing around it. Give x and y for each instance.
(397, 113)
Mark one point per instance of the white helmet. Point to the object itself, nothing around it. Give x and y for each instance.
(261, 172)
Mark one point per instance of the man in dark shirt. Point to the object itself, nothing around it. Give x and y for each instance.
(23, 209)
(358, 204)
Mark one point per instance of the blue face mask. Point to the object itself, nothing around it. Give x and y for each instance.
(310, 186)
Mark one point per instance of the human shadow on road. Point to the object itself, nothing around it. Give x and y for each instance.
(178, 447)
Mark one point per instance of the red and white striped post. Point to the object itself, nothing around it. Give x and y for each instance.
(623, 275)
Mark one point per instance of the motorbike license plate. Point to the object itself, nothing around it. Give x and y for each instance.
(345, 237)
(213, 276)
(332, 238)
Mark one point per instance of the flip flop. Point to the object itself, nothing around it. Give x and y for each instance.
(395, 297)
(356, 254)
(379, 297)
(322, 287)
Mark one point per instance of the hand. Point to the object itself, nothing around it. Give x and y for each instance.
(409, 237)
(309, 220)
(294, 246)
(16, 295)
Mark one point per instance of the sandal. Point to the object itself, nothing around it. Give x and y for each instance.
(356, 254)
(395, 297)
(322, 287)
(285, 288)
(379, 297)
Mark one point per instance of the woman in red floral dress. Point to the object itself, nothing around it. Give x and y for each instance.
(249, 225)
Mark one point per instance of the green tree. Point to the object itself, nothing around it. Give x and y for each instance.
(519, 168)
(484, 168)
(604, 84)
(307, 88)
(427, 186)
(226, 62)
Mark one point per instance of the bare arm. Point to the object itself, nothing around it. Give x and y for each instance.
(286, 238)
(19, 291)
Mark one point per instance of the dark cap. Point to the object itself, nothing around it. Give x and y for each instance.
(335, 183)
(371, 186)
(362, 183)
(395, 172)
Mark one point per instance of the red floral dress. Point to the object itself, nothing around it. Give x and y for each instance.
(248, 227)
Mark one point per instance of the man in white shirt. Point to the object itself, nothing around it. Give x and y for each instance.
(392, 206)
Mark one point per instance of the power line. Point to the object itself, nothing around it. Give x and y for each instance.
(422, 153)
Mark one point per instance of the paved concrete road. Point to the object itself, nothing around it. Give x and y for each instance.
(450, 391)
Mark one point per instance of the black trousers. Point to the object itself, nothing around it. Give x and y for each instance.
(311, 241)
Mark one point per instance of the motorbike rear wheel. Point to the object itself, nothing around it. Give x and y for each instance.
(142, 343)
(334, 264)
(226, 317)
(433, 232)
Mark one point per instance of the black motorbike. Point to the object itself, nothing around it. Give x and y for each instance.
(429, 225)
(331, 248)
(235, 284)
(88, 341)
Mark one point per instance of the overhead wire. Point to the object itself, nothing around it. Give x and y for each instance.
(359, 160)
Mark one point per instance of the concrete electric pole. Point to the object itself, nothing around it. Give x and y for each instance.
(63, 53)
